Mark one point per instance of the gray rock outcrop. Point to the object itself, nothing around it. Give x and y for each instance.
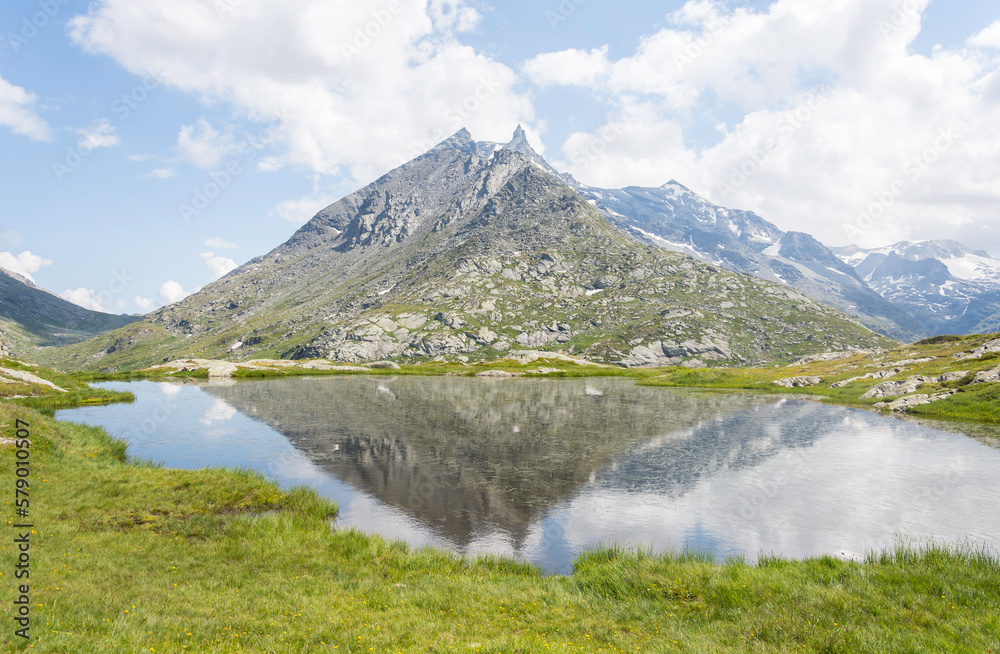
(897, 388)
(987, 376)
(798, 382)
(985, 348)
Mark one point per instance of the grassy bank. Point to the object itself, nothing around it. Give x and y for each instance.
(843, 380)
(134, 558)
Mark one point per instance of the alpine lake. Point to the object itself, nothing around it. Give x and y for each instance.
(544, 469)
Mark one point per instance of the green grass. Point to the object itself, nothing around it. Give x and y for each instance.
(128, 556)
(80, 397)
(981, 402)
(47, 399)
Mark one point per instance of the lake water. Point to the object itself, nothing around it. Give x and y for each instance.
(542, 469)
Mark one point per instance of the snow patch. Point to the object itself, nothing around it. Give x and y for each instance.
(974, 268)
(670, 245)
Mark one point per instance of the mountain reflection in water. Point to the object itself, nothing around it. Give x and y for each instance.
(543, 469)
(464, 455)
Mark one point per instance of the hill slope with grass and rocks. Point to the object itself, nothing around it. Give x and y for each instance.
(33, 318)
(469, 252)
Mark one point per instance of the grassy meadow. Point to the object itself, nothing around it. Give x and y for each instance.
(127, 556)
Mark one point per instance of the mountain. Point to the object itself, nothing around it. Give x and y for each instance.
(949, 286)
(472, 250)
(31, 317)
(674, 217)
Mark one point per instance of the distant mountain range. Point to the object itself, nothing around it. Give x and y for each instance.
(950, 287)
(907, 299)
(31, 317)
(470, 251)
(945, 288)
(475, 248)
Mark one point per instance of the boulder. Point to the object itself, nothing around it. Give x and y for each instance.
(986, 348)
(322, 365)
(386, 324)
(498, 374)
(648, 356)
(895, 389)
(451, 319)
(29, 378)
(882, 374)
(412, 320)
(536, 339)
(987, 376)
(218, 369)
(368, 350)
(953, 376)
(384, 365)
(530, 356)
(904, 404)
(798, 382)
(485, 336)
(446, 344)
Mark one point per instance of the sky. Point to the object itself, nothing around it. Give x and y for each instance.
(150, 147)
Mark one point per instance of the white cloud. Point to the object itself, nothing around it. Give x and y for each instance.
(219, 266)
(988, 38)
(571, 67)
(145, 303)
(453, 15)
(220, 244)
(101, 134)
(162, 173)
(17, 111)
(23, 264)
(348, 94)
(88, 299)
(220, 411)
(299, 212)
(10, 236)
(172, 292)
(270, 164)
(202, 144)
(839, 121)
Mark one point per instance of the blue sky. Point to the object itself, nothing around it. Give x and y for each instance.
(863, 121)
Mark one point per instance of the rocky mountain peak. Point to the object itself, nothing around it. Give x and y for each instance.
(677, 187)
(479, 250)
(21, 278)
(461, 140)
(519, 143)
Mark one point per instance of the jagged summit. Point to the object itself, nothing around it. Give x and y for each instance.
(519, 143)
